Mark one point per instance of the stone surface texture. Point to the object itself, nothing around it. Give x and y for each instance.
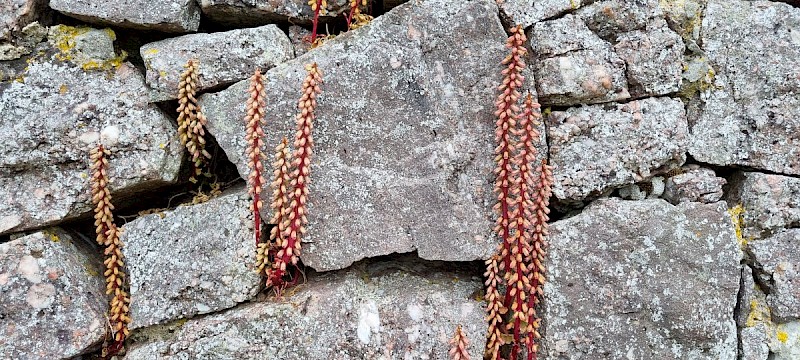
(388, 310)
(529, 12)
(52, 300)
(642, 280)
(606, 51)
(16, 14)
(52, 118)
(597, 148)
(403, 155)
(169, 16)
(225, 57)
(192, 260)
(777, 261)
(250, 13)
(694, 184)
(771, 202)
(752, 115)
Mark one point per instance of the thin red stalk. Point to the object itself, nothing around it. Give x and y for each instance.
(540, 211)
(317, 6)
(288, 254)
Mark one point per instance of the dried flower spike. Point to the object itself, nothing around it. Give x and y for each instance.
(458, 345)
(191, 121)
(355, 19)
(108, 235)
(254, 133)
(288, 253)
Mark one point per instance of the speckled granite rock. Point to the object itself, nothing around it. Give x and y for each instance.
(771, 202)
(77, 94)
(528, 12)
(575, 65)
(169, 15)
(192, 260)
(225, 58)
(403, 155)
(296, 35)
(753, 117)
(52, 300)
(700, 185)
(386, 310)
(596, 148)
(642, 280)
(607, 51)
(20, 45)
(249, 13)
(777, 260)
(19, 29)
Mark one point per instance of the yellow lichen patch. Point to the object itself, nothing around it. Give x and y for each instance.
(63, 89)
(151, 52)
(782, 336)
(63, 38)
(737, 218)
(573, 4)
(759, 313)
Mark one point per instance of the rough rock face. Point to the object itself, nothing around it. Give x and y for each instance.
(596, 148)
(378, 311)
(771, 202)
(752, 117)
(404, 134)
(249, 13)
(52, 301)
(528, 12)
(16, 14)
(225, 57)
(192, 260)
(778, 261)
(700, 185)
(169, 16)
(607, 51)
(642, 280)
(63, 106)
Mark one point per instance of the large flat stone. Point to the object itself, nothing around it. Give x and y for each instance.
(385, 310)
(597, 148)
(642, 280)
(250, 13)
(75, 96)
(170, 15)
(206, 251)
(403, 155)
(529, 12)
(52, 297)
(752, 117)
(777, 260)
(771, 202)
(225, 57)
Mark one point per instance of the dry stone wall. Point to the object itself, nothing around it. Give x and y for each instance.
(673, 128)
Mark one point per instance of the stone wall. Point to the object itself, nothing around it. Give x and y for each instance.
(673, 127)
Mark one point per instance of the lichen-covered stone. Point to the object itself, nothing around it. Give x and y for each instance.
(784, 342)
(575, 65)
(642, 280)
(17, 14)
(384, 310)
(63, 106)
(777, 260)
(700, 185)
(529, 12)
(653, 57)
(170, 15)
(250, 13)
(752, 117)
(597, 148)
(404, 135)
(771, 202)
(52, 300)
(192, 260)
(225, 58)
(607, 51)
(754, 342)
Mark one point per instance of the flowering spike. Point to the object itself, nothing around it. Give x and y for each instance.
(108, 235)
(289, 251)
(191, 121)
(458, 345)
